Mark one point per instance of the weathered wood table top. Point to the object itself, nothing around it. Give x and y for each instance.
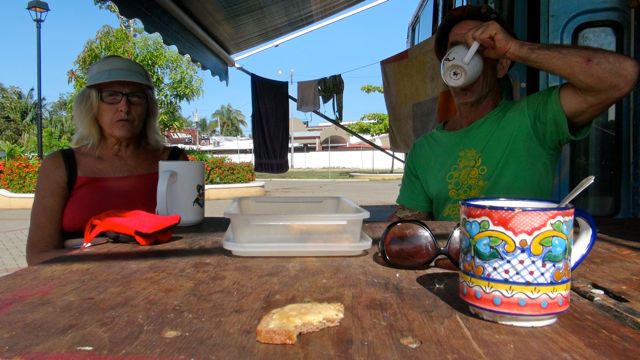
(191, 298)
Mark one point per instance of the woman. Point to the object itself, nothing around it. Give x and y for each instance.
(113, 163)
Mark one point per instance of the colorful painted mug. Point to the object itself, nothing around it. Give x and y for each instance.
(517, 256)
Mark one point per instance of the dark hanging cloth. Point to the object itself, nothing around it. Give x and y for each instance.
(270, 124)
(332, 88)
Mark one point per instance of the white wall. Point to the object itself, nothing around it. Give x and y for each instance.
(366, 160)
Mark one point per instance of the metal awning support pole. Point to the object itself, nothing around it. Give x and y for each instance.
(336, 123)
(308, 30)
(185, 20)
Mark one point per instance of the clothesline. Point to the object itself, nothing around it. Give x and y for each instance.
(336, 122)
(340, 73)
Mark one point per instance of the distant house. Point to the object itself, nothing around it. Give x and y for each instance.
(325, 136)
(320, 137)
(183, 137)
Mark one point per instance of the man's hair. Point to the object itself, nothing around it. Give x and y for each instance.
(85, 116)
(482, 13)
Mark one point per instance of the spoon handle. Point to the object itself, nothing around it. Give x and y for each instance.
(471, 52)
(577, 190)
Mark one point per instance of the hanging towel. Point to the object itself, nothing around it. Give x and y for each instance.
(332, 88)
(308, 96)
(270, 124)
(412, 87)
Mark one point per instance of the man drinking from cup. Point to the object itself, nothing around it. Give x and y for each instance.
(493, 147)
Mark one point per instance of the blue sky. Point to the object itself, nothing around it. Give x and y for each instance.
(358, 42)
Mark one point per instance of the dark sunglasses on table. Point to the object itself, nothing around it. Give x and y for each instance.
(114, 97)
(410, 244)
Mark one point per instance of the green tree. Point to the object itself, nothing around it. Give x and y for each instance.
(174, 76)
(212, 126)
(372, 88)
(10, 150)
(201, 124)
(231, 120)
(372, 123)
(59, 126)
(17, 115)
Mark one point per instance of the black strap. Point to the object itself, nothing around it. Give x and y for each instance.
(175, 153)
(72, 170)
(70, 166)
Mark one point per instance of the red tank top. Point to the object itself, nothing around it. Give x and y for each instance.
(93, 195)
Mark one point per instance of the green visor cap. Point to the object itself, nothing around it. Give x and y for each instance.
(116, 68)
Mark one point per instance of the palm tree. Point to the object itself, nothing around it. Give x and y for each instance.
(17, 115)
(230, 120)
(59, 126)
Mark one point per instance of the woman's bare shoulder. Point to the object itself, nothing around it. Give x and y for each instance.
(53, 163)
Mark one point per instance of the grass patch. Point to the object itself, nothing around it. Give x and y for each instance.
(317, 174)
(308, 174)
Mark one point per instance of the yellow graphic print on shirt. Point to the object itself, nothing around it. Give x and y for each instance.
(465, 180)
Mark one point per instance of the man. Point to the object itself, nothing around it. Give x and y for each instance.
(493, 147)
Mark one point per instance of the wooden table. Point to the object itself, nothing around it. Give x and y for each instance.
(192, 299)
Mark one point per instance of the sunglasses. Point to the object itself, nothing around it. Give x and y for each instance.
(410, 244)
(114, 97)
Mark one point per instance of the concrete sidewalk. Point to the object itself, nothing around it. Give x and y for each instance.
(374, 195)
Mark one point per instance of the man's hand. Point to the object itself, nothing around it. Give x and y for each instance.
(495, 42)
(595, 78)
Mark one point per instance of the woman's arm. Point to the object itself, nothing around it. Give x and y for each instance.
(45, 231)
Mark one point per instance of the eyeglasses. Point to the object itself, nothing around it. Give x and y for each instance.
(114, 97)
(410, 244)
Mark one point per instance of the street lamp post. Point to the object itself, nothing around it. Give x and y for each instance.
(38, 11)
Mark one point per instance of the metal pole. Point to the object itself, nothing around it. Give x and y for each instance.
(39, 106)
(292, 150)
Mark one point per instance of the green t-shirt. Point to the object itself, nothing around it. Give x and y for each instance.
(510, 152)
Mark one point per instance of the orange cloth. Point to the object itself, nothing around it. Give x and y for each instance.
(144, 227)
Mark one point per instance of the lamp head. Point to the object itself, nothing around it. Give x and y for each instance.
(38, 10)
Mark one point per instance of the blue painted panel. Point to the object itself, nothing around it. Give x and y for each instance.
(560, 21)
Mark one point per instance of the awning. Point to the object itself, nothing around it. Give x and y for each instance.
(211, 31)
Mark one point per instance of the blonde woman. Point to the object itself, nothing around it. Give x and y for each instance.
(113, 162)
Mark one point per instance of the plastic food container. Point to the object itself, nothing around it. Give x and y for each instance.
(295, 226)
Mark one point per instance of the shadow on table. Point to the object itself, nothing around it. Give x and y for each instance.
(378, 212)
(140, 253)
(445, 286)
(442, 281)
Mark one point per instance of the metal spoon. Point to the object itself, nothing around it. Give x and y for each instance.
(577, 190)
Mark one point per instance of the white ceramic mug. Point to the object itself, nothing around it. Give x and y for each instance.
(181, 191)
(455, 72)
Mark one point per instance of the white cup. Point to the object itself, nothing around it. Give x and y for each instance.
(455, 72)
(181, 191)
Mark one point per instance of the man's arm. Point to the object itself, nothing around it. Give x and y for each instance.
(404, 213)
(595, 78)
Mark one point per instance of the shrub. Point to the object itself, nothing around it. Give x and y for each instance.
(197, 155)
(221, 170)
(19, 175)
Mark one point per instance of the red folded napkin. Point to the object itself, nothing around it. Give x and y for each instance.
(146, 228)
